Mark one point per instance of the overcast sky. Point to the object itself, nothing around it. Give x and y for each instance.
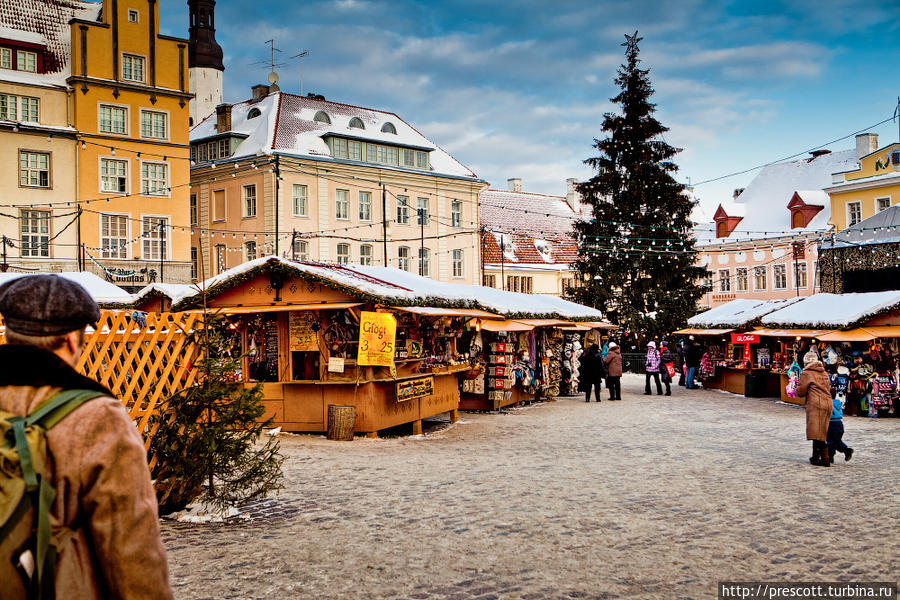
(518, 88)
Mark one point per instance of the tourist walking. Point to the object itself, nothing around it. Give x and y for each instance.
(613, 362)
(591, 373)
(104, 530)
(667, 366)
(651, 366)
(815, 386)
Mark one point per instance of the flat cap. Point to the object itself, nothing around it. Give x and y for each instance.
(46, 305)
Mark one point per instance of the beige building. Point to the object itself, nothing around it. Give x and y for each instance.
(527, 241)
(317, 180)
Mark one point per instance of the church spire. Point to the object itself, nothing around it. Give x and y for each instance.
(203, 51)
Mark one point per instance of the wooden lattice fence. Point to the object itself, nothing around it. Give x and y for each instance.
(142, 364)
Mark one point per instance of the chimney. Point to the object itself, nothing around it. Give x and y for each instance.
(515, 184)
(866, 143)
(260, 91)
(573, 198)
(223, 118)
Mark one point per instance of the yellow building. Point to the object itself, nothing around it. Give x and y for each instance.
(872, 187)
(130, 106)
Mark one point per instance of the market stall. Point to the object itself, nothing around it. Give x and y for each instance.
(390, 344)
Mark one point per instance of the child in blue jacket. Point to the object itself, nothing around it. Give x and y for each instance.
(835, 435)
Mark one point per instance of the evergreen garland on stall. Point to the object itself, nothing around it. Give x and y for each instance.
(632, 196)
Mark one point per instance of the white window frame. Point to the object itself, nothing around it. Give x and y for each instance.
(134, 15)
(402, 210)
(877, 200)
(20, 105)
(366, 215)
(295, 198)
(456, 211)
(158, 113)
(20, 54)
(458, 267)
(143, 63)
(6, 59)
(850, 221)
(163, 240)
(251, 250)
(122, 252)
(100, 175)
(127, 118)
(403, 258)
(301, 249)
(165, 193)
(35, 244)
(248, 209)
(724, 281)
(423, 216)
(775, 285)
(738, 280)
(342, 204)
(366, 254)
(343, 258)
(28, 170)
(805, 275)
(765, 287)
(424, 255)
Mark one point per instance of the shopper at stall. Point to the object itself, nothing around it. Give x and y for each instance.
(815, 386)
(692, 355)
(835, 437)
(652, 365)
(591, 373)
(613, 362)
(667, 366)
(682, 365)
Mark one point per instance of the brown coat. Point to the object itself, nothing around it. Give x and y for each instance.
(613, 362)
(98, 465)
(816, 387)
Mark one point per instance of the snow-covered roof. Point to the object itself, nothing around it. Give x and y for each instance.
(814, 197)
(764, 201)
(738, 312)
(834, 310)
(881, 228)
(286, 125)
(398, 287)
(44, 22)
(102, 291)
(169, 290)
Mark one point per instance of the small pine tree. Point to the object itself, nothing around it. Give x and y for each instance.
(206, 442)
(636, 258)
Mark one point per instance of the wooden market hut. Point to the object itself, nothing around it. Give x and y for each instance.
(158, 297)
(297, 327)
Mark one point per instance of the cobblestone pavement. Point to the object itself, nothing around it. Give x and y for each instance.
(651, 497)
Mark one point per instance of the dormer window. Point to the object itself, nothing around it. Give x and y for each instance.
(389, 128)
(254, 112)
(356, 123)
(322, 117)
(804, 206)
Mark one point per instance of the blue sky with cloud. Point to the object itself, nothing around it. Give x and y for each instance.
(518, 88)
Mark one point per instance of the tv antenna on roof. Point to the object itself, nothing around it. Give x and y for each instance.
(273, 76)
(300, 57)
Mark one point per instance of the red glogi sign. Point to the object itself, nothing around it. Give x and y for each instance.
(744, 338)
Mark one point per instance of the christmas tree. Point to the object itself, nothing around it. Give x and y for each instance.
(636, 257)
(206, 442)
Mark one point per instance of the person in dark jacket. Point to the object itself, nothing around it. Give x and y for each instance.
(613, 362)
(666, 358)
(591, 372)
(692, 354)
(682, 366)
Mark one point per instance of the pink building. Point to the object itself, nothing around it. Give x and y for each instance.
(763, 244)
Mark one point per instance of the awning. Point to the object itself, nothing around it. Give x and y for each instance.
(598, 324)
(693, 331)
(791, 333)
(576, 327)
(240, 310)
(506, 326)
(544, 322)
(852, 335)
(448, 312)
(883, 331)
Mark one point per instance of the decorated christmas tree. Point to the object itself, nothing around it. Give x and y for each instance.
(636, 257)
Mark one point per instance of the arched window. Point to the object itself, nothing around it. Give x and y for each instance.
(797, 219)
(254, 112)
(356, 123)
(343, 254)
(721, 229)
(322, 117)
(389, 128)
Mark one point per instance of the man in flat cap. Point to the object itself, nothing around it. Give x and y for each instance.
(97, 463)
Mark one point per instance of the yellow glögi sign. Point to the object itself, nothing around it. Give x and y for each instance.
(377, 334)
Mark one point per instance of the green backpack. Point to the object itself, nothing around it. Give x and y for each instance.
(28, 547)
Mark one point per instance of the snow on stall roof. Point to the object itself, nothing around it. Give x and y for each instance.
(833, 310)
(100, 290)
(738, 312)
(287, 126)
(881, 228)
(170, 290)
(395, 285)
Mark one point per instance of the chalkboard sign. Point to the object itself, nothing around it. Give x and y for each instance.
(271, 329)
(302, 336)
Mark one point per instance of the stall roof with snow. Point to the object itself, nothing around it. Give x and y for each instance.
(383, 285)
(881, 228)
(738, 313)
(102, 291)
(839, 311)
